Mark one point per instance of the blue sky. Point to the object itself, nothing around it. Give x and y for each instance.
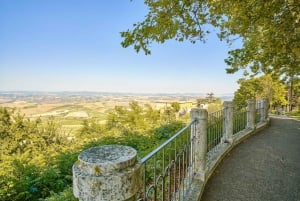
(72, 45)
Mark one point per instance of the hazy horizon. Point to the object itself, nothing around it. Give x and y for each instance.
(113, 92)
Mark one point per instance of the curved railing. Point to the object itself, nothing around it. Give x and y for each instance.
(176, 170)
(169, 170)
(239, 119)
(215, 131)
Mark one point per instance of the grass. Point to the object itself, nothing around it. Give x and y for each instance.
(67, 107)
(294, 114)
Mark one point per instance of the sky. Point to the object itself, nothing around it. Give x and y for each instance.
(75, 45)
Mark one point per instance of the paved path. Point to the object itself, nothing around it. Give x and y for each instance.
(265, 167)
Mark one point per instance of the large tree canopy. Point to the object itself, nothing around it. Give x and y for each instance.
(261, 87)
(269, 29)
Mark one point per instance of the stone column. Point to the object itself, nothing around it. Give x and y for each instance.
(107, 173)
(228, 114)
(251, 111)
(263, 110)
(266, 107)
(200, 145)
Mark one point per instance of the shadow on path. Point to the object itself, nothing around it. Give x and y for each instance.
(265, 167)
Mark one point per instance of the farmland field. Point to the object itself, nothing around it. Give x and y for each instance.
(70, 109)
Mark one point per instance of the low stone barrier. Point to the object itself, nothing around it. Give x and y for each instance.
(107, 173)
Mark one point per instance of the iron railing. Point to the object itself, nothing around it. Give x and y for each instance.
(258, 108)
(239, 119)
(215, 130)
(169, 169)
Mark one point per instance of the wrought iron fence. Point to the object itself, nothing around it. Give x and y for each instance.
(258, 108)
(169, 169)
(239, 119)
(215, 130)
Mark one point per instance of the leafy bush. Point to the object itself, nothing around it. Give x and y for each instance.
(65, 195)
(37, 157)
(295, 114)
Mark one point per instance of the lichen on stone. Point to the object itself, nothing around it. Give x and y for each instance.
(97, 171)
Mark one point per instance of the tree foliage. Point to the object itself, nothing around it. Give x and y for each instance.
(175, 106)
(36, 156)
(261, 87)
(212, 103)
(269, 30)
(29, 150)
(134, 118)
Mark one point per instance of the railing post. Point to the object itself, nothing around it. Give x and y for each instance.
(228, 115)
(266, 108)
(251, 112)
(262, 110)
(109, 172)
(200, 115)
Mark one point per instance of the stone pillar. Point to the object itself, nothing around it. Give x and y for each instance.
(262, 110)
(251, 111)
(106, 173)
(266, 107)
(228, 114)
(200, 145)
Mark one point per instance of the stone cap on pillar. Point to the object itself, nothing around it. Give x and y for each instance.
(106, 159)
(198, 113)
(105, 173)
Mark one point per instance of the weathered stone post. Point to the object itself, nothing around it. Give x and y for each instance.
(228, 114)
(251, 112)
(266, 108)
(200, 146)
(107, 173)
(263, 106)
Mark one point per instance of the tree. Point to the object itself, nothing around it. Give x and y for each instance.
(201, 101)
(135, 118)
(261, 87)
(151, 115)
(269, 30)
(175, 106)
(27, 153)
(210, 97)
(293, 92)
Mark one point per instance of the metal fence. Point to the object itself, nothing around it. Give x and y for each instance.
(215, 130)
(169, 169)
(258, 109)
(239, 119)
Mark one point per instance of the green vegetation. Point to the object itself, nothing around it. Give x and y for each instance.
(270, 40)
(213, 103)
(37, 155)
(261, 87)
(31, 165)
(294, 114)
(293, 92)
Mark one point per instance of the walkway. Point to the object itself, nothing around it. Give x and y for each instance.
(265, 167)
